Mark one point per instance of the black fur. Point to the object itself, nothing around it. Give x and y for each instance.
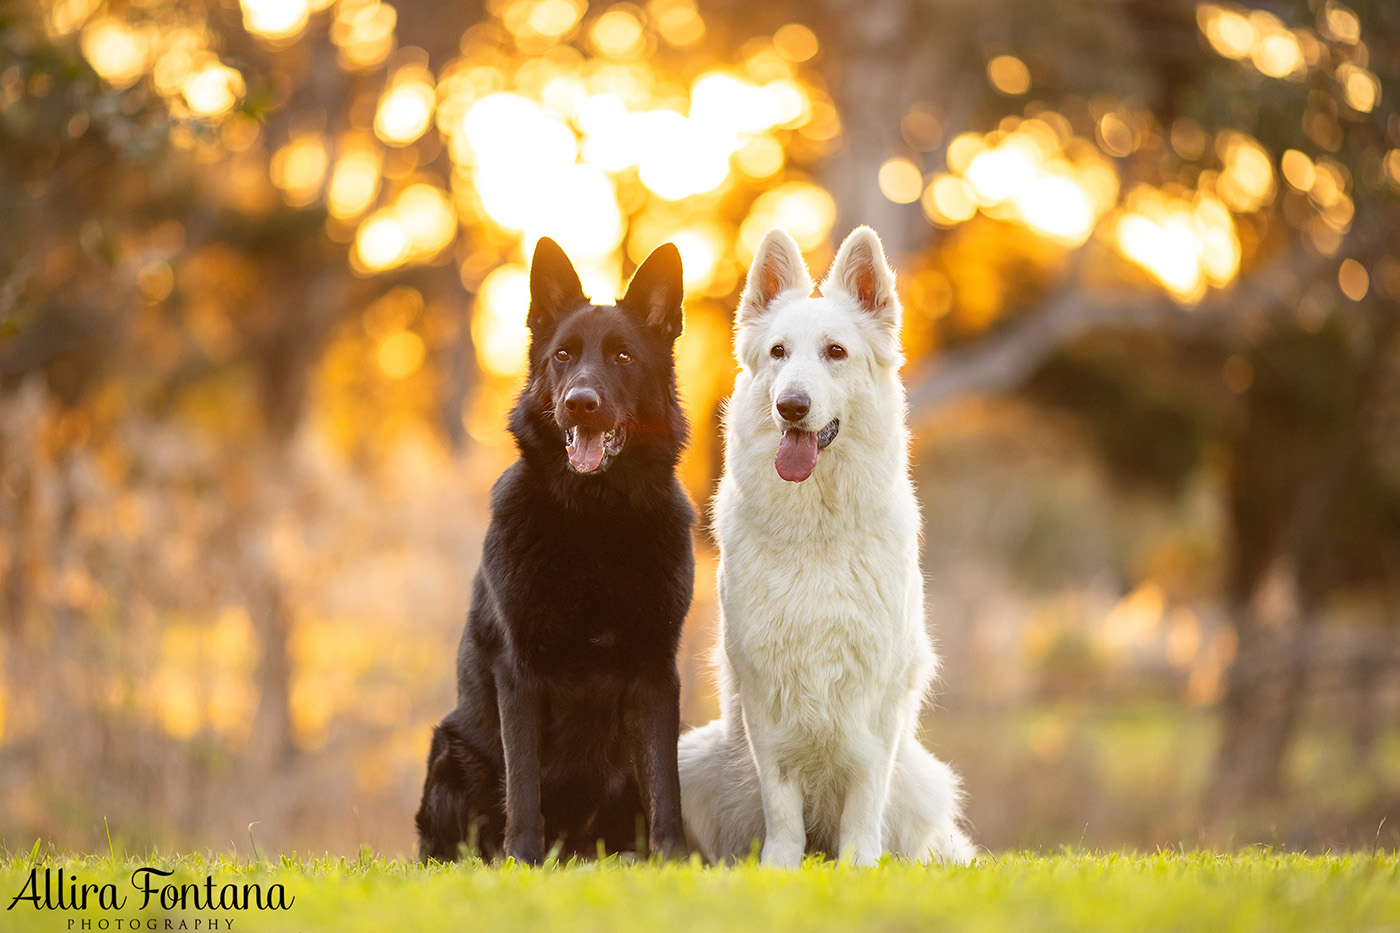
(567, 691)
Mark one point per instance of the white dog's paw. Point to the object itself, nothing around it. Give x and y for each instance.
(862, 853)
(781, 855)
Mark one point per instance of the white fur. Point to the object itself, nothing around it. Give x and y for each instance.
(824, 660)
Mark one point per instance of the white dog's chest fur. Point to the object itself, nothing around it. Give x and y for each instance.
(818, 627)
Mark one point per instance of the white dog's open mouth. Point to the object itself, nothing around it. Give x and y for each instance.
(798, 450)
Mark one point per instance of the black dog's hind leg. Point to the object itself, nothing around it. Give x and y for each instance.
(653, 720)
(519, 702)
(461, 803)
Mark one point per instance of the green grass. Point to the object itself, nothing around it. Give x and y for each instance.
(1169, 891)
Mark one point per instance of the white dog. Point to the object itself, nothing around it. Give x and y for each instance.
(825, 660)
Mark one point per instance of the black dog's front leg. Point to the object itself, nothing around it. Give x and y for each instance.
(519, 702)
(655, 722)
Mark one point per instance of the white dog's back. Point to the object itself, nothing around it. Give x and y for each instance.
(824, 658)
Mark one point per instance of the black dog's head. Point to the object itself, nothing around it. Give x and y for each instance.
(601, 376)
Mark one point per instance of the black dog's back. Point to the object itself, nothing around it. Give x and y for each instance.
(585, 580)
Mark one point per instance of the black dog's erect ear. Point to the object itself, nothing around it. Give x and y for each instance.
(656, 291)
(554, 285)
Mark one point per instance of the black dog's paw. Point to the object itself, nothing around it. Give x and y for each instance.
(526, 849)
(668, 846)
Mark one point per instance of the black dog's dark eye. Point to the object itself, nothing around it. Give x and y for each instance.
(561, 355)
(624, 357)
(836, 352)
(777, 352)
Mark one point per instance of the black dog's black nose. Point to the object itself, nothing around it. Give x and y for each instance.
(794, 407)
(581, 400)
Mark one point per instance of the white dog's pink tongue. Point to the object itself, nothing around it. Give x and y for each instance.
(797, 455)
(586, 450)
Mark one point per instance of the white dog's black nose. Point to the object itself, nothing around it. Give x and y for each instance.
(793, 406)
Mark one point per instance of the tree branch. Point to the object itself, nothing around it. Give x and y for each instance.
(1002, 361)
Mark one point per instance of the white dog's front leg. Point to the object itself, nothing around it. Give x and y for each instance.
(784, 832)
(863, 812)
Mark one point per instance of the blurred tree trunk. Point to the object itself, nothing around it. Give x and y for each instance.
(301, 314)
(1263, 690)
(873, 47)
(1280, 543)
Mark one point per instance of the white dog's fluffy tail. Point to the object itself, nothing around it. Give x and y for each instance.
(922, 817)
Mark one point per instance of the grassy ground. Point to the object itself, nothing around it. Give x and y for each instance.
(1252, 891)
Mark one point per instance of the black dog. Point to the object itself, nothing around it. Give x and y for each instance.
(568, 698)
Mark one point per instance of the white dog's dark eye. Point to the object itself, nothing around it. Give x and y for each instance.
(623, 356)
(836, 352)
(777, 352)
(561, 355)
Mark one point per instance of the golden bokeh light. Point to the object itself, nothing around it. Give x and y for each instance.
(581, 214)
(1353, 279)
(415, 228)
(1360, 88)
(761, 157)
(1185, 245)
(354, 180)
(1228, 30)
(1246, 182)
(381, 242)
(1277, 51)
(428, 220)
(298, 169)
(275, 20)
(702, 247)
(400, 354)
(1298, 169)
(1256, 36)
(678, 21)
(363, 31)
(406, 110)
(801, 208)
(1058, 208)
(949, 200)
(618, 33)
(680, 157)
(117, 51)
(65, 17)
(900, 180)
(1340, 23)
(213, 89)
(796, 42)
(498, 322)
(1009, 75)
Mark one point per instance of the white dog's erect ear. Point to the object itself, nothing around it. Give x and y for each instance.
(777, 267)
(656, 291)
(554, 285)
(861, 271)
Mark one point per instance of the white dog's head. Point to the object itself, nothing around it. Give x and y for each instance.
(820, 352)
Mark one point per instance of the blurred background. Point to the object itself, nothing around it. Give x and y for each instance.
(262, 293)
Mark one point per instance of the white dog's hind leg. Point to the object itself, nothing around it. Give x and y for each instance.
(924, 815)
(720, 803)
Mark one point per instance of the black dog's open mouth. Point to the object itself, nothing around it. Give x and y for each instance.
(797, 451)
(591, 450)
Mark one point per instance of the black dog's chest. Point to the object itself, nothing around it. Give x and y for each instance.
(592, 590)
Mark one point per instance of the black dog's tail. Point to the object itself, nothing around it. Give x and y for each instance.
(462, 802)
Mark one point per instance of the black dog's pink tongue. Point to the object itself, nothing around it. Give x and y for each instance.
(797, 455)
(586, 449)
